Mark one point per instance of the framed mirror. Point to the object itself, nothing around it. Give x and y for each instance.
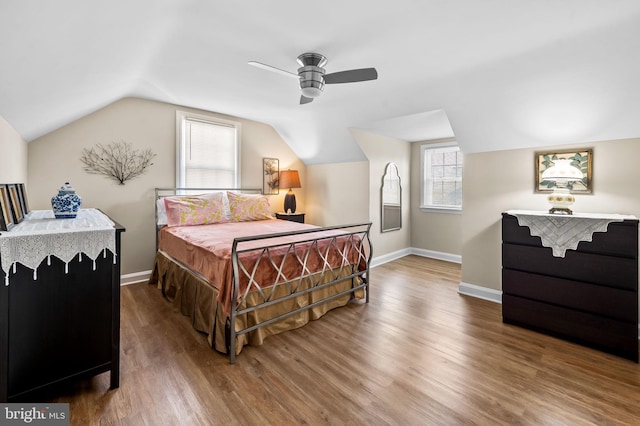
(391, 199)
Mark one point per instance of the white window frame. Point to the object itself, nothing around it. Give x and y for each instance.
(181, 118)
(424, 205)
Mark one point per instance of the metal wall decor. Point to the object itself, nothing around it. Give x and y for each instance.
(117, 161)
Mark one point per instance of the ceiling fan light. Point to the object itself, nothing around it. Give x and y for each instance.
(311, 87)
(311, 92)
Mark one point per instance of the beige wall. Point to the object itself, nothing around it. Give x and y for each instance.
(504, 180)
(55, 158)
(13, 156)
(380, 151)
(433, 231)
(331, 194)
(337, 193)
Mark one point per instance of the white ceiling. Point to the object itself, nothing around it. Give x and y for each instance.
(497, 74)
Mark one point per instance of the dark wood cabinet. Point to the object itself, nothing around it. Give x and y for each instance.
(293, 217)
(590, 296)
(61, 326)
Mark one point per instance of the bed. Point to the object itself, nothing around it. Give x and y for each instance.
(242, 275)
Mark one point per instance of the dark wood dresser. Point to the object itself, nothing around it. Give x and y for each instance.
(589, 296)
(59, 323)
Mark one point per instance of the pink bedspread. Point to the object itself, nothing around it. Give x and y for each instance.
(207, 250)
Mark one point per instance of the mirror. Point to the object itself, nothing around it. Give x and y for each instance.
(391, 199)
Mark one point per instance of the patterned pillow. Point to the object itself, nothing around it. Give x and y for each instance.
(246, 207)
(195, 210)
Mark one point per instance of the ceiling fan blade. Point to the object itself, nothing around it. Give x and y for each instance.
(274, 69)
(305, 100)
(351, 76)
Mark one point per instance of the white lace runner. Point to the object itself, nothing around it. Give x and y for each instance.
(41, 236)
(564, 232)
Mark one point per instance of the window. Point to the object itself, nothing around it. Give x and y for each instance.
(208, 152)
(441, 185)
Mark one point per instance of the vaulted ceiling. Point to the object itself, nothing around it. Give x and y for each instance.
(497, 74)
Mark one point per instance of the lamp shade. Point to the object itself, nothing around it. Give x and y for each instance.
(562, 170)
(289, 179)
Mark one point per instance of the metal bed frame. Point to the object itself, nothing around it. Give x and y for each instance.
(351, 244)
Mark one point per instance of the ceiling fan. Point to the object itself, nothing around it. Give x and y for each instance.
(313, 78)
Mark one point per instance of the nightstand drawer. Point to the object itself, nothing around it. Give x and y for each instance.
(293, 217)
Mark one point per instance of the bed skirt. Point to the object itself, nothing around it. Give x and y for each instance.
(191, 295)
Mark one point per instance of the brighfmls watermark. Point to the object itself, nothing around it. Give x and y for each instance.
(34, 414)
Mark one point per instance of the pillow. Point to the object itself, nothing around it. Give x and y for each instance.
(195, 210)
(161, 211)
(245, 207)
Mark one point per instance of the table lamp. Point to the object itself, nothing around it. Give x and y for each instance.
(289, 179)
(562, 172)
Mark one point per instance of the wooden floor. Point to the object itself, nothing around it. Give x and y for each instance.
(419, 353)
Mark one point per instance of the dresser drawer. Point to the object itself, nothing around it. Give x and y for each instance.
(618, 272)
(596, 299)
(621, 238)
(617, 337)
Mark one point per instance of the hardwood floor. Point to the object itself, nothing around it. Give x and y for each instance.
(418, 353)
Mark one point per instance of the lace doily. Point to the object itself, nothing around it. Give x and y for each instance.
(41, 236)
(564, 232)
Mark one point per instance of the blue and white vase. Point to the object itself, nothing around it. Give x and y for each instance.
(66, 203)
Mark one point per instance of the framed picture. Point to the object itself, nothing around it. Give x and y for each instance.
(271, 175)
(6, 217)
(24, 203)
(580, 158)
(14, 202)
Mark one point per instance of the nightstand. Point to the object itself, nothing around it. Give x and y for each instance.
(293, 217)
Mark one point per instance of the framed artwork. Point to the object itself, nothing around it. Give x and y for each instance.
(6, 217)
(271, 176)
(580, 158)
(14, 202)
(24, 203)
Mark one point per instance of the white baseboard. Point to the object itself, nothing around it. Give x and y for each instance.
(136, 277)
(454, 258)
(379, 260)
(480, 292)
